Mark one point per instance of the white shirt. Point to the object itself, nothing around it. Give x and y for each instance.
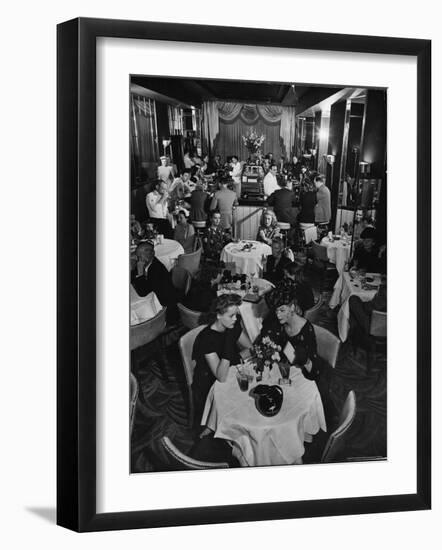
(155, 208)
(236, 172)
(270, 184)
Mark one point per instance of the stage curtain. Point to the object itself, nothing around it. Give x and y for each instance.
(217, 113)
(229, 140)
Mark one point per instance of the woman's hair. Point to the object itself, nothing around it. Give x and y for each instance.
(183, 212)
(308, 184)
(222, 304)
(268, 213)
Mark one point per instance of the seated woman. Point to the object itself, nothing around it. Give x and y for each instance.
(293, 278)
(268, 229)
(291, 329)
(202, 292)
(276, 263)
(215, 350)
(215, 238)
(368, 255)
(184, 233)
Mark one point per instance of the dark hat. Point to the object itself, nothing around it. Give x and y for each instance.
(369, 233)
(283, 294)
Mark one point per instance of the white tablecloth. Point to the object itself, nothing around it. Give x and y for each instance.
(262, 441)
(143, 308)
(344, 288)
(168, 252)
(246, 262)
(338, 252)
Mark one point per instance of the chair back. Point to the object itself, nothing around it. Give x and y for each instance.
(190, 261)
(189, 317)
(134, 390)
(149, 330)
(327, 345)
(378, 324)
(337, 438)
(309, 313)
(199, 225)
(186, 348)
(310, 234)
(283, 226)
(319, 252)
(185, 462)
(181, 279)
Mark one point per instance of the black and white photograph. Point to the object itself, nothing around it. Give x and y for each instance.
(258, 273)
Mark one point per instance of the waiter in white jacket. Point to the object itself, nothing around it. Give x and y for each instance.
(270, 181)
(235, 173)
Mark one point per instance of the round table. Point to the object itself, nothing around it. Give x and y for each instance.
(246, 261)
(338, 252)
(168, 252)
(260, 440)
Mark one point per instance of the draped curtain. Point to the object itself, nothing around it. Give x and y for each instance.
(144, 136)
(229, 141)
(264, 118)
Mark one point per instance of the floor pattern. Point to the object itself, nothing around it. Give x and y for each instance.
(162, 406)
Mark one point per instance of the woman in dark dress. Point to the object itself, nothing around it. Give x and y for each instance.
(215, 349)
(291, 327)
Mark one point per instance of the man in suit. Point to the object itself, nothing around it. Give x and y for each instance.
(323, 205)
(224, 200)
(150, 275)
(283, 202)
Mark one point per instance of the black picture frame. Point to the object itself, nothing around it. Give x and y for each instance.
(76, 274)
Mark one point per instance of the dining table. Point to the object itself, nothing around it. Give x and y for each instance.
(248, 256)
(338, 251)
(259, 440)
(347, 285)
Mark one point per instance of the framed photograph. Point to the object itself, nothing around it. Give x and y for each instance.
(231, 361)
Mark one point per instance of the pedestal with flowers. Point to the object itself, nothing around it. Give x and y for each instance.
(253, 142)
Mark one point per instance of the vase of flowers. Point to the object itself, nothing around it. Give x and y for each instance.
(267, 355)
(253, 142)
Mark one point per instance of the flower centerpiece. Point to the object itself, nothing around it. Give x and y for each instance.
(267, 354)
(253, 141)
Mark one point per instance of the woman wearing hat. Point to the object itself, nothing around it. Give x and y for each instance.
(293, 332)
(367, 255)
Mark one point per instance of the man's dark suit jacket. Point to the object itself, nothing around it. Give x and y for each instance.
(276, 274)
(158, 280)
(283, 202)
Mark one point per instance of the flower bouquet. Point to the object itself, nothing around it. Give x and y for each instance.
(253, 141)
(267, 354)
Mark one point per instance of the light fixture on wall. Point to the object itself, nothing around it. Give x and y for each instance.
(166, 143)
(330, 159)
(364, 168)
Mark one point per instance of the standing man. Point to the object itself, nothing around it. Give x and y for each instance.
(156, 202)
(322, 207)
(235, 174)
(224, 200)
(270, 181)
(283, 201)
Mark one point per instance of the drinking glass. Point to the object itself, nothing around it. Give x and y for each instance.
(284, 369)
(243, 380)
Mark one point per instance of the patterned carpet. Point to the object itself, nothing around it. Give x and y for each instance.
(162, 406)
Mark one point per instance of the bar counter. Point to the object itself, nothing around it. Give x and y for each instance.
(246, 218)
